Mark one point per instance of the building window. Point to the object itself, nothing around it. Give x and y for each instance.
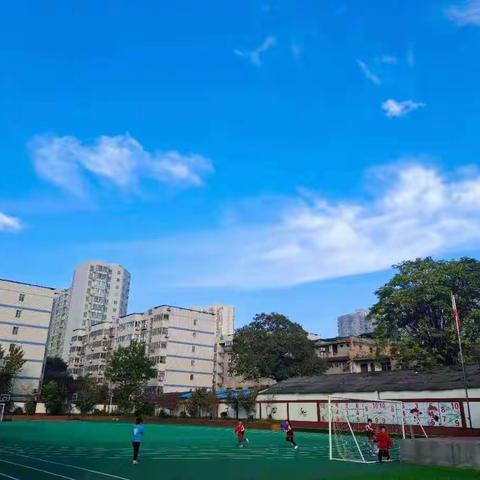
(364, 367)
(193, 348)
(192, 376)
(11, 348)
(192, 362)
(166, 316)
(18, 314)
(21, 297)
(195, 321)
(194, 334)
(15, 331)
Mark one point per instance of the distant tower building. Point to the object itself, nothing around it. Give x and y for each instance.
(59, 320)
(98, 295)
(355, 324)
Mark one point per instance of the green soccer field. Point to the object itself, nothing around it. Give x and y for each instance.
(40, 450)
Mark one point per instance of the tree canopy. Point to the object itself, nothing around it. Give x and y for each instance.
(274, 347)
(130, 369)
(11, 365)
(414, 312)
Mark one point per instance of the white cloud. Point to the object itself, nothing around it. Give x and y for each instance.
(255, 55)
(395, 108)
(417, 211)
(391, 59)
(8, 223)
(368, 74)
(466, 13)
(118, 160)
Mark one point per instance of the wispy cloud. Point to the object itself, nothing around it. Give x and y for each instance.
(118, 160)
(310, 238)
(255, 55)
(297, 50)
(368, 74)
(410, 58)
(389, 59)
(8, 223)
(466, 13)
(395, 108)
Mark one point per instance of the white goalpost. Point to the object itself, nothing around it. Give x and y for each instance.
(349, 440)
(4, 399)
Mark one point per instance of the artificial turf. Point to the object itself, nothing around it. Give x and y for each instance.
(73, 450)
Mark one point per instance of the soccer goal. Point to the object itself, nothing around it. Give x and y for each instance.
(4, 399)
(349, 439)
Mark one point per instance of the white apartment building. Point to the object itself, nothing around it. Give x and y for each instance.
(99, 294)
(76, 357)
(181, 342)
(25, 312)
(58, 323)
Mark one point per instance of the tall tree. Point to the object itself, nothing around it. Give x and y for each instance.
(274, 347)
(88, 395)
(414, 311)
(56, 371)
(130, 369)
(11, 365)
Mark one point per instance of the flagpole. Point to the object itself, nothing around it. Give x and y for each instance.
(460, 351)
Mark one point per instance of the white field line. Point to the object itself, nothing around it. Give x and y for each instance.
(37, 469)
(8, 476)
(73, 466)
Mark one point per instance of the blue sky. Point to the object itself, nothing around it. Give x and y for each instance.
(276, 155)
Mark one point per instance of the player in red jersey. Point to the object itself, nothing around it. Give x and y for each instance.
(240, 433)
(289, 434)
(384, 442)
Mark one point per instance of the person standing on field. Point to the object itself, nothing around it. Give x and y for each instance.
(137, 435)
(384, 442)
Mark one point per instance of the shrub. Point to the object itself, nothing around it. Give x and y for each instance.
(30, 407)
(17, 411)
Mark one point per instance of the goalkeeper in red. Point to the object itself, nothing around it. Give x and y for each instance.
(384, 442)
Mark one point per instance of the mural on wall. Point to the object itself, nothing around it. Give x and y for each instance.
(431, 414)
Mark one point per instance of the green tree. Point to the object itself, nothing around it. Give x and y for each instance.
(130, 369)
(54, 399)
(273, 347)
(88, 394)
(11, 365)
(56, 371)
(201, 403)
(414, 312)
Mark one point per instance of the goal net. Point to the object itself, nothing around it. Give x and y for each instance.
(351, 440)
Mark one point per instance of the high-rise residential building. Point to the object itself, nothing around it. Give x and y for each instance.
(355, 324)
(98, 295)
(58, 323)
(180, 341)
(25, 312)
